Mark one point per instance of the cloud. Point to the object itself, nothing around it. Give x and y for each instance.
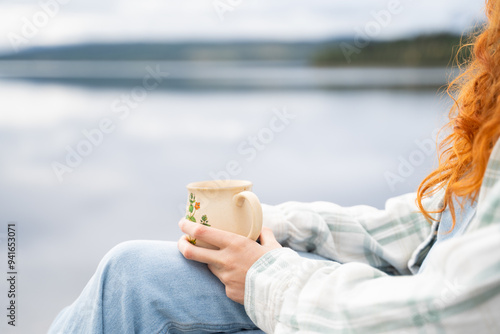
(157, 20)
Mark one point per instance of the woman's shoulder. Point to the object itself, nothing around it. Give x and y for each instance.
(492, 173)
(488, 203)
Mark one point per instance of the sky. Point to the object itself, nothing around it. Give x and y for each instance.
(28, 23)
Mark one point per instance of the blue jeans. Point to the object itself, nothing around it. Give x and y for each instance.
(149, 287)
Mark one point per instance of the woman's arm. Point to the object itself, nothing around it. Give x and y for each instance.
(384, 239)
(458, 292)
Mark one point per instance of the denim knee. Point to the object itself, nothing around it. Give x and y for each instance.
(126, 252)
(135, 261)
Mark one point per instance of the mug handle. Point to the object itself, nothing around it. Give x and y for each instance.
(253, 200)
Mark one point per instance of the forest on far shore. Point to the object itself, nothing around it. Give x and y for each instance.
(424, 50)
(437, 50)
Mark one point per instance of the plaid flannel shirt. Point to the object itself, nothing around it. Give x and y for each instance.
(371, 286)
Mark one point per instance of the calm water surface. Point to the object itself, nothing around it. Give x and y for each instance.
(336, 145)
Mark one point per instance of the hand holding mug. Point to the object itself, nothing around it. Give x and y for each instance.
(227, 205)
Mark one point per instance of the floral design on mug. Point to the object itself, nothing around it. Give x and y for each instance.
(204, 220)
(193, 207)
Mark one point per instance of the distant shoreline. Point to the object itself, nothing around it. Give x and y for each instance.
(436, 50)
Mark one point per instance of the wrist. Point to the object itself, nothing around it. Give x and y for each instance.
(265, 283)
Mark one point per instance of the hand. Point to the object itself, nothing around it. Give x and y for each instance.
(236, 254)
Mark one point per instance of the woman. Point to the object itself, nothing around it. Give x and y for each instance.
(429, 262)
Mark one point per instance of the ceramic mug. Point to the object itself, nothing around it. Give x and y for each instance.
(228, 205)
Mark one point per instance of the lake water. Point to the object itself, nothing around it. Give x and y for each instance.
(295, 139)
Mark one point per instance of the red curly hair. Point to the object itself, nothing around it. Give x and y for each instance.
(474, 122)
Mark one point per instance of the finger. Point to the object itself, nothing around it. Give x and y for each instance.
(198, 254)
(215, 270)
(210, 235)
(267, 238)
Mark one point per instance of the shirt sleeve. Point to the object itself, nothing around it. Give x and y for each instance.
(458, 292)
(384, 239)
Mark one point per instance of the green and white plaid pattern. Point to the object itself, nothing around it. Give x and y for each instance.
(374, 291)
